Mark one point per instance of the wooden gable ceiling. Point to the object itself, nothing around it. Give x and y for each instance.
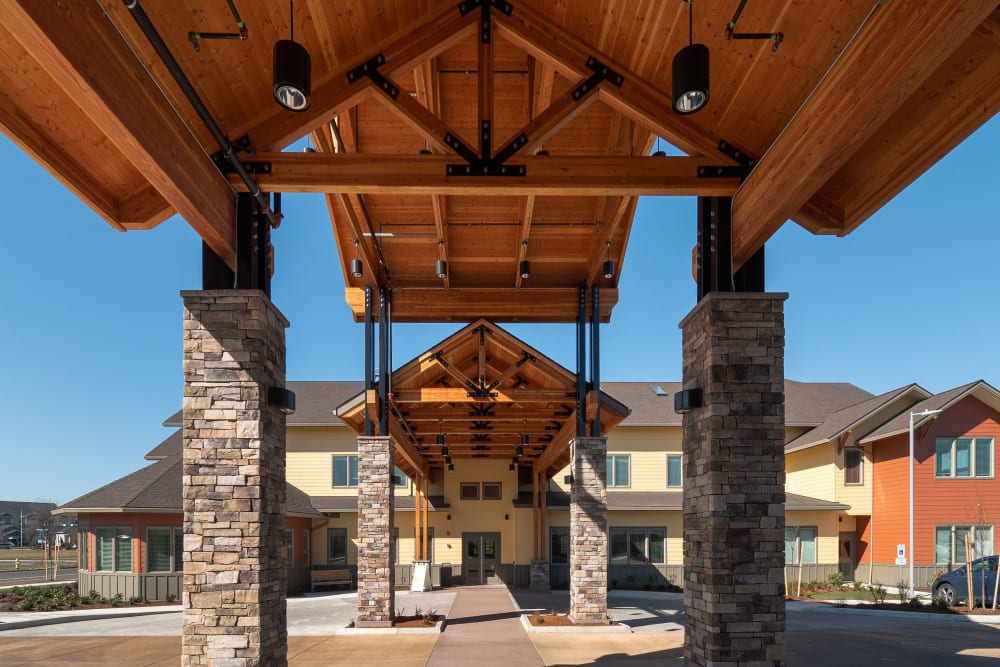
(486, 394)
(860, 98)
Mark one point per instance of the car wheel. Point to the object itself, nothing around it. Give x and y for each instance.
(947, 592)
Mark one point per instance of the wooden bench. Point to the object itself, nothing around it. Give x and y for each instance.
(338, 577)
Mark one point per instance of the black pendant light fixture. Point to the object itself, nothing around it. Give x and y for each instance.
(441, 267)
(292, 70)
(524, 267)
(608, 270)
(356, 268)
(690, 73)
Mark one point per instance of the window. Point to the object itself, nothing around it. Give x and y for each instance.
(618, 470)
(853, 465)
(635, 546)
(559, 545)
(468, 491)
(800, 540)
(114, 549)
(963, 457)
(674, 470)
(336, 546)
(289, 547)
(345, 470)
(164, 549)
(492, 491)
(305, 547)
(398, 477)
(949, 542)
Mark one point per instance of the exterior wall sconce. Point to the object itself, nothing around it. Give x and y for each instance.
(690, 73)
(568, 479)
(292, 71)
(687, 400)
(282, 399)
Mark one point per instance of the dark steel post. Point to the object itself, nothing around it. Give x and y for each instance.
(581, 366)
(750, 276)
(383, 354)
(369, 358)
(715, 245)
(215, 273)
(595, 358)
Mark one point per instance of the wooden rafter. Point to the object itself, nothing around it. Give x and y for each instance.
(448, 395)
(425, 79)
(550, 304)
(899, 47)
(417, 116)
(323, 140)
(275, 128)
(550, 175)
(637, 98)
(122, 98)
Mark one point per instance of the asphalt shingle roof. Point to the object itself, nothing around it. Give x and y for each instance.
(843, 419)
(901, 422)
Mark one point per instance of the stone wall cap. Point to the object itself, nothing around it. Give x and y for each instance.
(732, 296)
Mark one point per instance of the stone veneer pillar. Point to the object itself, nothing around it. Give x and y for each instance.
(234, 481)
(539, 570)
(376, 574)
(588, 531)
(734, 484)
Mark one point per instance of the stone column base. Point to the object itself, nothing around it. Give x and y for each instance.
(376, 573)
(540, 576)
(588, 532)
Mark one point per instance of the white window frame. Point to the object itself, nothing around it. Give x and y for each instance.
(611, 461)
(953, 528)
(680, 484)
(176, 539)
(798, 543)
(953, 460)
(645, 530)
(333, 471)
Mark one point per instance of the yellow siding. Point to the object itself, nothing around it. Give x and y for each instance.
(647, 448)
(309, 459)
(479, 516)
(827, 532)
(858, 496)
(810, 472)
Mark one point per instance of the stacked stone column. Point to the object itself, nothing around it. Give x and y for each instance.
(376, 575)
(588, 531)
(233, 481)
(734, 485)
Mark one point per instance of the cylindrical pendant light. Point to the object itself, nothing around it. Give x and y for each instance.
(292, 73)
(690, 73)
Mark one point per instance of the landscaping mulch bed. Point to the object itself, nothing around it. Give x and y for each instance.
(64, 597)
(415, 621)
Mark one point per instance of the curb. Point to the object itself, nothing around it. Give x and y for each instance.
(74, 618)
(915, 615)
(577, 629)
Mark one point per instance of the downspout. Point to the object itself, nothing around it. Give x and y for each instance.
(192, 96)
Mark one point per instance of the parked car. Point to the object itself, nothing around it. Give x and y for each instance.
(953, 586)
(6, 545)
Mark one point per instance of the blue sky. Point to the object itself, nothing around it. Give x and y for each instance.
(91, 335)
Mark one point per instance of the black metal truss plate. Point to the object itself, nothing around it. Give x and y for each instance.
(241, 145)
(732, 152)
(471, 5)
(364, 68)
(608, 74)
(480, 168)
(722, 172)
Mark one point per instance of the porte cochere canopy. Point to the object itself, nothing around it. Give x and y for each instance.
(859, 99)
(483, 394)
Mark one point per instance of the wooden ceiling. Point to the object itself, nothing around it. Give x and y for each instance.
(486, 395)
(860, 98)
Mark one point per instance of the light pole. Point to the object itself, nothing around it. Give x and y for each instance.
(912, 415)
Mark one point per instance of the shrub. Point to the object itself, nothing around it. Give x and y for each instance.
(173, 598)
(835, 579)
(878, 593)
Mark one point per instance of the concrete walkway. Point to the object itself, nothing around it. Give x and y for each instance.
(484, 629)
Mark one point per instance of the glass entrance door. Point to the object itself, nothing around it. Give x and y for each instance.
(480, 558)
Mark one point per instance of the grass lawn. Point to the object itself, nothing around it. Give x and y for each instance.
(840, 595)
(31, 559)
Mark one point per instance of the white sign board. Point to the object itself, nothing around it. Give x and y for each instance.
(901, 561)
(421, 576)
